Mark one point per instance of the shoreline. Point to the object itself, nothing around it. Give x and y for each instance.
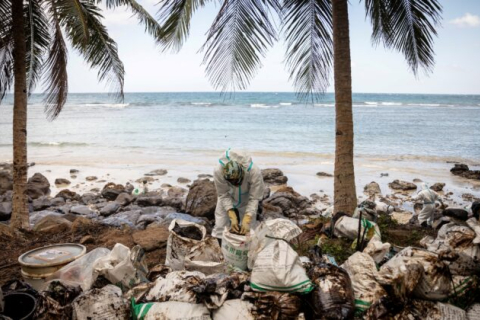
(300, 169)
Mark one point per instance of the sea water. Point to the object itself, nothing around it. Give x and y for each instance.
(403, 126)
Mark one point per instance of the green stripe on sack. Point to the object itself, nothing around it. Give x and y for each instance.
(140, 310)
(303, 287)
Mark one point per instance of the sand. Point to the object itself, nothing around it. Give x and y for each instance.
(300, 169)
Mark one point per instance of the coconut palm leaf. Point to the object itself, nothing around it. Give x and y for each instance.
(56, 71)
(174, 17)
(151, 24)
(6, 69)
(238, 38)
(5, 22)
(38, 41)
(308, 33)
(100, 51)
(407, 26)
(73, 19)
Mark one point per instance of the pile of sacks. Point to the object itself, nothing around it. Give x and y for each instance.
(260, 276)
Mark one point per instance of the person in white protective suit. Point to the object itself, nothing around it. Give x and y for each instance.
(240, 188)
(429, 197)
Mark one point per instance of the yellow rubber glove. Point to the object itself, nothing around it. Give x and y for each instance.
(247, 220)
(233, 220)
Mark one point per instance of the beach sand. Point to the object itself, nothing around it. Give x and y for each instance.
(300, 168)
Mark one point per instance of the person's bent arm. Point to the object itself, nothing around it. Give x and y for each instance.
(222, 187)
(257, 188)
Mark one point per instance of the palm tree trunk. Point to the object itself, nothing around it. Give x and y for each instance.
(345, 197)
(20, 215)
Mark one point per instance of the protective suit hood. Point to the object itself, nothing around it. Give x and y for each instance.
(238, 156)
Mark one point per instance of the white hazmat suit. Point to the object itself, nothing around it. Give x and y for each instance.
(429, 197)
(245, 198)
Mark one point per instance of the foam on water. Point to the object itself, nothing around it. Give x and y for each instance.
(387, 126)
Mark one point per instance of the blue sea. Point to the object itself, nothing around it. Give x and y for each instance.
(442, 127)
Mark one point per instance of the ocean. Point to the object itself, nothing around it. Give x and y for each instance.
(400, 126)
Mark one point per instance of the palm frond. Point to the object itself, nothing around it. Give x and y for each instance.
(74, 19)
(100, 51)
(238, 38)
(5, 23)
(174, 17)
(56, 71)
(309, 56)
(38, 41)
(6, 69)
(408, 26)
(151, 24)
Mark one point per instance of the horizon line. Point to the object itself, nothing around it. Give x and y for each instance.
(242, 92)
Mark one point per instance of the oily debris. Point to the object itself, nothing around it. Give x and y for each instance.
(191, 232)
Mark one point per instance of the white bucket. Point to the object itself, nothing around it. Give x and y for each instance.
(38, 264)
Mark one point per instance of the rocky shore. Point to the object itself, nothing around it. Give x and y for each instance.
(137, 214)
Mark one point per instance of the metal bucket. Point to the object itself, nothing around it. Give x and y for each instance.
(40, 263)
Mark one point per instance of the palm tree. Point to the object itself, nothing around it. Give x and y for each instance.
(317, 37)
(32, 46)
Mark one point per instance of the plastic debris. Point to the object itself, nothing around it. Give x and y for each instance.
(278, 268)
(274, 305)
(347, 227)
(171, 310)
(123, 267)
(101, 304)
(363, 273)
(56, 301)
(176, 286)
(235, 249)
(234, 310)
(267, 232)
(333, 296)
(79, 272)
(186, 237)
(435, 281)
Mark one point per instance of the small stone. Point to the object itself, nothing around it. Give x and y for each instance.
(91, 178)
(383, 175)
(61, 181)
(324, 174)
(124, 199)
(57, 202)
(52, 224)
(166, 185)
(417, 180)
(438, 186)
(96, 190)
(67, 195)
(402, 185)
(273, 176)
(145, 179)
(73, 171)
(183, 180)
(110, 209)
(73, 176)
(158, 172)
(81, 210)
(41, 203)
(372, 188)
(81, 224)
(87, 239)
(5, 211)
(204, 175)
(111, 191)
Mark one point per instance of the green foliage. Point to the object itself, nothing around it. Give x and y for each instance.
(47, 24)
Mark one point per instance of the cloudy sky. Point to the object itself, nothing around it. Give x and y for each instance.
(457, 48)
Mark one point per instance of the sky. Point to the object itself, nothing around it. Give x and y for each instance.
(374, 69)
